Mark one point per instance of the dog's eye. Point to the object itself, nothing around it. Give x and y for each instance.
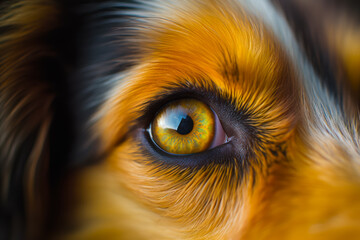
(187, 126)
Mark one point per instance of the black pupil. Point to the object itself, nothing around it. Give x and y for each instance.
(186, 125)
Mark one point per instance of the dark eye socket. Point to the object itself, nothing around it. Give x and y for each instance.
(235, 124)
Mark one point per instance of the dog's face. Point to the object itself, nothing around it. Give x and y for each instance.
(216, 122)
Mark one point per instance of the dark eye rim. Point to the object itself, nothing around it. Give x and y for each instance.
(237, 149)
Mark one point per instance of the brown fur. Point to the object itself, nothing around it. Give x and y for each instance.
(25, 100)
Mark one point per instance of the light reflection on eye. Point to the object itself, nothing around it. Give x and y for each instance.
(187, 126)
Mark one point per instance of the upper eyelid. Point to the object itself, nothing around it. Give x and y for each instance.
(210, 95)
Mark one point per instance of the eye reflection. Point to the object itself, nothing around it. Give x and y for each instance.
(187, 126)
(178, 120)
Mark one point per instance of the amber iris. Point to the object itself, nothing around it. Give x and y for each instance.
(184, 126)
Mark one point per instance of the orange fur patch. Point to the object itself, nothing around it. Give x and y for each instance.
(217, 49)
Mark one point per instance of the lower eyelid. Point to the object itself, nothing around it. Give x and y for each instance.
(223, 154)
